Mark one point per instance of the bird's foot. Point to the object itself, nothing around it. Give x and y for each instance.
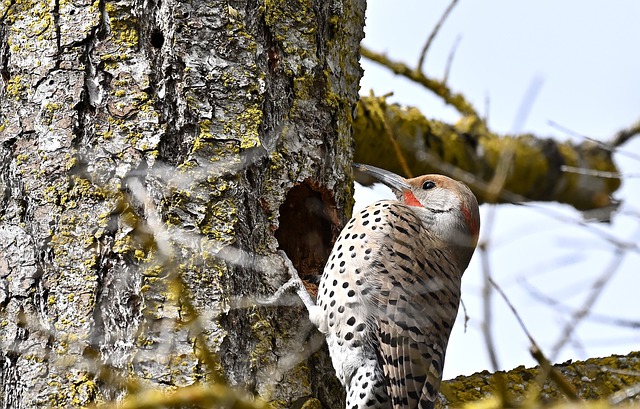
(295, 283)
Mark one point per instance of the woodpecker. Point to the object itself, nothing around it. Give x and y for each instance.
(389, 293)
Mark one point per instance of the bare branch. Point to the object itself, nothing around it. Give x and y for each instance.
(433, 34)
(457, 100)
(546, 369)
(599, 318)
(596, 290)
(452, 53)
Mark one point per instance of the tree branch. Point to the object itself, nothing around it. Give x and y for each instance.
(433, 34)
(624, 135)
(439, 88)
(595, 378)
(537, 168)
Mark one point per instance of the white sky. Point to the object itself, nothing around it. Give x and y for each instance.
(586, 54)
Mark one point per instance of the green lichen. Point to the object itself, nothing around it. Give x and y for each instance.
(246, 127)
(264, 333)
(312, 403)
(124, 26)
(83, 390)
(283, 15)
(16, 88)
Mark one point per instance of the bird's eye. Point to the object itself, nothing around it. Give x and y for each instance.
(428, 185)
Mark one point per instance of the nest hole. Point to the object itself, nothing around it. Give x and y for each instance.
(308, 227)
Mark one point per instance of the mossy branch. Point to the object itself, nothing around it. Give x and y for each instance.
(624, 135)
(457, 100)
(498, 168)
(596, 380)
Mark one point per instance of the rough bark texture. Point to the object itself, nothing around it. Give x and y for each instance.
(235, 117)
(593, 379)
(529, 167)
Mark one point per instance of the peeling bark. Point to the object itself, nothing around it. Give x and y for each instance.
(218, 110)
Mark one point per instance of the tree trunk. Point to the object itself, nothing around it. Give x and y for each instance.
(155, 155)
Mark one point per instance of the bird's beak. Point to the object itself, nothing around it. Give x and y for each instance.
(395, 182)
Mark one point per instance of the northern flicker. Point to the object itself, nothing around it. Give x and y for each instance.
(389, 293)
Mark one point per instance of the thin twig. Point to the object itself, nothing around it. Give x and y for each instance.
(498, 377)
(433, 34)
(388, 130)
(608, 146)
(546, 368)
(591, 172)
(483, 247)
(627, 393)
(487, 320)
(457, 100)
(452, 53)
(596, 290)
(554, 303)
(514, 311)
(526, 105)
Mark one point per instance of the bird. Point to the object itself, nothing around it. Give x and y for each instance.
(389, 293)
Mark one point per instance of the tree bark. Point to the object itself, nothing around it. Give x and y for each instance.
(613, 378)
(154, 157)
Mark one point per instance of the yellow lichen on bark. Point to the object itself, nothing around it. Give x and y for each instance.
(595, 380)
(498, 168)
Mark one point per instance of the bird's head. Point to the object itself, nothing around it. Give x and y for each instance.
(446, 207)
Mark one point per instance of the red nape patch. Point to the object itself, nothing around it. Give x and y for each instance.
(410, 199)
(471, 223)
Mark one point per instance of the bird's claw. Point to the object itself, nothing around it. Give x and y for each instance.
(295, 282)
